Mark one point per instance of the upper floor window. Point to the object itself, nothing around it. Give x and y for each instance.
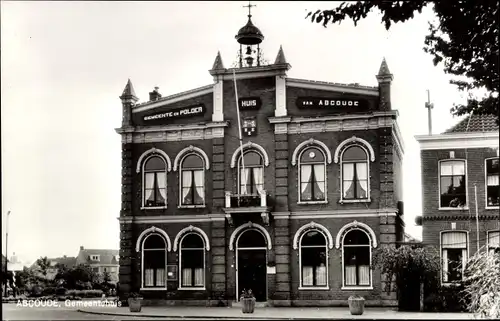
(452, 184)
(354, 173)
(494, 242)
(94, 257)
(312, 175)
(313, 259)
(251, 173)
(155, 182)
(492, 182)
(192, 180)
(454, 255)
(357, 255)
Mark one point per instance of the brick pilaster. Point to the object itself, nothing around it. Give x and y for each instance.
(218, 188)
(219, 248)
(386, 149)
(282, 249)
(281, 173)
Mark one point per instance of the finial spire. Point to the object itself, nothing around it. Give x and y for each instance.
(249, 8)
(218, 62)
(280, 58)
(128, 91)
(383, 73)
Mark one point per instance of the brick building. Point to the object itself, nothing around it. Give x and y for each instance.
(459, 180)
(296, 219)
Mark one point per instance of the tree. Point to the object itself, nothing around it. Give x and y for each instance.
(465, 41)
(482, 284)
(43, 264)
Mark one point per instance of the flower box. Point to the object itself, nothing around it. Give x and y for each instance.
(356, 305)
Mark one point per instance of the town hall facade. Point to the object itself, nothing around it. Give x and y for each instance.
(293, 210)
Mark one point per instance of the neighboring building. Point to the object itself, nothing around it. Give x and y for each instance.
(100, 261)
(460, 175)
(52, 271)
(319, 187)
(410, 239)
(4, 261)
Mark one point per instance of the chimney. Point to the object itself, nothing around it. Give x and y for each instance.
(154, 95)
(81, 248)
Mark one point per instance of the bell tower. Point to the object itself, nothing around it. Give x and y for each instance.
(249, 37)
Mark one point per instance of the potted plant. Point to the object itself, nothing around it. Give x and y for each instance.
(248, 301)
(356, 304)
(134, 302)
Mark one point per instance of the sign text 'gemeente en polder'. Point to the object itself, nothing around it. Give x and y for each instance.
(341, 103)
(196, 110)
(249, 103)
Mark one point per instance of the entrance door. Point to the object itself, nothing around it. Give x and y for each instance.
(252, 262)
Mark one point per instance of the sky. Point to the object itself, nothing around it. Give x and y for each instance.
(64, 64)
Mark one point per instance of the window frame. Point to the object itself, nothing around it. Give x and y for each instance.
(193, 288)
(153, 288)
(367, 162)
(327, 257)
(486, 206)
(488, 240)
(143, 190)
(369, 245)
(299, 178)
(467, 250)
(464, 208)
(181, 170)
(239, 167)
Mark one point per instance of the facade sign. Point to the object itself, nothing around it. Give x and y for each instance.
(249, 103)
(178, 113)
(340, 103)
(249, 126)
(171, 272)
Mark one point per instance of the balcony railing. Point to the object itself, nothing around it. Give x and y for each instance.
(246, 200)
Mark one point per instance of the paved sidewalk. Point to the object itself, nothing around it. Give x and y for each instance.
(277, 313)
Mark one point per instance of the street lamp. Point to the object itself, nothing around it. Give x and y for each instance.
(6, 251)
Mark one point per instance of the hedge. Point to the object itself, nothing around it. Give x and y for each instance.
(85, 293)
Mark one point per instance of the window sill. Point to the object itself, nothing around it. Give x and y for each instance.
(154, 289)
(314, 288)
(192, 289)
(492, 207)
(357, 288)
(451, 284)
(367, 200)
(453, 209)
(153, 208)
(312, 202)
(191, 206)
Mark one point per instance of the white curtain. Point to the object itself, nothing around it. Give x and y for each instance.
(321, 275)
(160, 277)
(258, 177)
(307, 276)
(198, 277)
(161, 180)
(364, 275)
(305, 176)
(319, 173)
(244, 175)
(148, 185)
(350, 275)
(186, 277)
(492, 180)
(445, 265)
(493, 241)
(454, 240)
(200, 184)
(348, 178)
(458, 168)
(149, 277)
(187, 182)
(362, 172)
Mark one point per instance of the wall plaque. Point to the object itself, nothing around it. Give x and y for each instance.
(171, 272)
(331, 103)
(196, 110)
(271, 270)
(249, 103)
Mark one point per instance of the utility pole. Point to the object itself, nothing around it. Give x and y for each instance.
(6, 252)
(477, 217)
(429, 106)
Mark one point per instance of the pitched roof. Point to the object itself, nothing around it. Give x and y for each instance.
(128, 90)
(218, 62)
(106, 256)
(280, 58)
(475, 123)
(69, 261)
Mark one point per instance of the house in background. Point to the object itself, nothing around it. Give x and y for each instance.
(68, 261)
(460, 184)
(100, 260)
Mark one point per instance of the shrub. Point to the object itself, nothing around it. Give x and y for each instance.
(49, 291)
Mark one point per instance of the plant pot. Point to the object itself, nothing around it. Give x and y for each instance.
(356, 306)
(248, 305)
(134, 305)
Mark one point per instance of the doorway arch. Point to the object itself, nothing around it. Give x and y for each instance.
(251, 263)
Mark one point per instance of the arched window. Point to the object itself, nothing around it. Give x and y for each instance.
(154, 182)
(356, 258)
(313, 259)
(312, 175)
(355, 183)
(192, 261)
(192, 180)
(154, 261)
(251, 173)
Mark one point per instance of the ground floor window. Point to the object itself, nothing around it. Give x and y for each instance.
(356, 259)
(192, 261)
(313, 260)
(493, 242)
(454, 255)
(154, 261)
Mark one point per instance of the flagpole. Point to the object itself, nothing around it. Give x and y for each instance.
(239, 129)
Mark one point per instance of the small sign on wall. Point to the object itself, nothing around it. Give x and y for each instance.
(248, 103)
(177, 113)
(271, 270)
(331, 103)
(171, 272)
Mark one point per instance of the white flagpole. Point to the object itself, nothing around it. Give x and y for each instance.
(239, 129)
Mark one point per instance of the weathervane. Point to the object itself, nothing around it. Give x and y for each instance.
(249, 8)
